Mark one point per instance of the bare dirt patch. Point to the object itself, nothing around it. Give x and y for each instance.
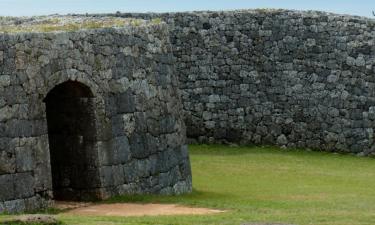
(131, 209)
(31, 219)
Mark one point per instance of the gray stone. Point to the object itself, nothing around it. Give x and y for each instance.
(1, 57)
(360, 61)
(23, 185)
(24, 158)
(270, 84)
(4, 80)
(7, 162)
(282, 140)
(332, 78)
(84, 114)
(15, 206)
(6, 187)
(316, 85)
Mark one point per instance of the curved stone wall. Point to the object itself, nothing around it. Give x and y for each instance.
(293, 78)
(137, 137)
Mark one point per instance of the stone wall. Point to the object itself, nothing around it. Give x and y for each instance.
(291, 78)
(133, 137)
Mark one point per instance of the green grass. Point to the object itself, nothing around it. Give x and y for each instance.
(267, 185)
(68, 24)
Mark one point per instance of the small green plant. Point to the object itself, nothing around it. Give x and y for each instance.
(135, 22)
(156, 21)
(67, 24)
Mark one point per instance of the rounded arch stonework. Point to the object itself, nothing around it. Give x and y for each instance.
(60, 77)
(107, 131)
(302, 84)
(72, 135)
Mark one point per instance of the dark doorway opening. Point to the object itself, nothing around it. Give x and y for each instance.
(72, 140)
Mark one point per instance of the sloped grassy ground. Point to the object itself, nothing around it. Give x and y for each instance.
(267, 185)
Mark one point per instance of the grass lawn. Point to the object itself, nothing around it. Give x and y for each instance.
(267, 185)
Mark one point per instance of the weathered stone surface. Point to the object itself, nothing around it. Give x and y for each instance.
(282, 140)
(6, 187)
(74, 112)
(291, 78)
(4, 79)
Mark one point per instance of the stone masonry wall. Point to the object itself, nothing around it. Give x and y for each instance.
(139, 134)
(291, 78)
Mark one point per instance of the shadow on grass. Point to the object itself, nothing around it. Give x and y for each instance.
(223, 150)
(50, 211)
(196, 197)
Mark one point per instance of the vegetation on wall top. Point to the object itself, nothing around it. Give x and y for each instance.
(63, 23)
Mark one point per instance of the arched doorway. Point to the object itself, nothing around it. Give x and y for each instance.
(72, 139)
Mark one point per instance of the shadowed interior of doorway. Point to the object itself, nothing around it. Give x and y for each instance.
(72, 140)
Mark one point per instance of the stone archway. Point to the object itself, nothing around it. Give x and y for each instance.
(72, 138)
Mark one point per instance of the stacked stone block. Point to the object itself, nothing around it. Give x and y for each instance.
(292, 78)
(138, 130)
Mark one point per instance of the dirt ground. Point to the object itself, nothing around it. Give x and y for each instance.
(130, 209)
